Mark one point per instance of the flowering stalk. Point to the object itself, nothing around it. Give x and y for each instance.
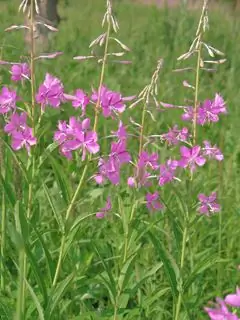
(3, 224)
(97, 107)
(183, 250)
(23, 257)
(150, 91)
(69, 210)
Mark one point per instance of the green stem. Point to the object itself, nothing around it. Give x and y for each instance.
(3, 240)
(179, 301)
(23, 257)
(68, 212)
(142, 128)
(196, 92)
(79, 187)
(20, 297)
(221, 192)
(97, 107)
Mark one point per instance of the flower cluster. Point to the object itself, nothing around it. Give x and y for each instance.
(8, 99)
(109, 168)
(208, 204)
(207, 112)
(221, 311)
(76, 135)
(175, 135)
(21, 134)
(50, 92)
(142, 175)
(111, 102)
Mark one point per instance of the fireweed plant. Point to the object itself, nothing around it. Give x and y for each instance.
(153, 183)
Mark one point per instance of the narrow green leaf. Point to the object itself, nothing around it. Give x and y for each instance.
(62, 180)
(8, 191)
(17, 160)
(56, 213)
(57, 293)
(169, 264)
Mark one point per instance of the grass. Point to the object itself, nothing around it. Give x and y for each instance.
(128, 266)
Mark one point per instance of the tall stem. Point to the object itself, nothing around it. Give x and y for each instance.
(68, 212)
(79, 187)
(179, 301)
(97, 107)
(196, 92)
(142, 127)
(20, 297)
(23, 257)
(3, 240)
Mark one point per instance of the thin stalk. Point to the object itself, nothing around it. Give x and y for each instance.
(23, 257)
(79, 187)
(68, 212)
(20, 297)
(221, 192)
(142, 127)
(184, 242)
(3, 240)
(97, 107)
(196, 92)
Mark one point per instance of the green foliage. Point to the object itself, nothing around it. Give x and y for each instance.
(126, 266)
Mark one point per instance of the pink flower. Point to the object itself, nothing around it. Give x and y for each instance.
(76, 135)
(167, 171)
(20, 71)
(212, 151)
(101, 214)
(50, 92)
(121, 133)
(208, 204)
(110, 101)
(110, 168)
(22, 135)
(174, 135)
(233, 299)
(207, 112)
(141, 177)
(191, 157)
(152, 202)
(221, 312)
(8, 100)
(80, 99)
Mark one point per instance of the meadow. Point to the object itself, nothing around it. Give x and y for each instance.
(74, 248)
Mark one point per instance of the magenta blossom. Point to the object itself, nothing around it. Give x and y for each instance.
(17, 123)
(207, 112)
(208, 204)
(20, 71)
(142, 176)
(148, 160)
(76, 135)
(110, 168)
(221, 312)
(101, 214)
(191, 157)
(8, 99)
(233, 299)
(212, 152)
(22, 135)
(50, 92)
(174, 135)
(121, 133)
(167, 172)
(110, 101)
(79, 99)
(152, 202)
